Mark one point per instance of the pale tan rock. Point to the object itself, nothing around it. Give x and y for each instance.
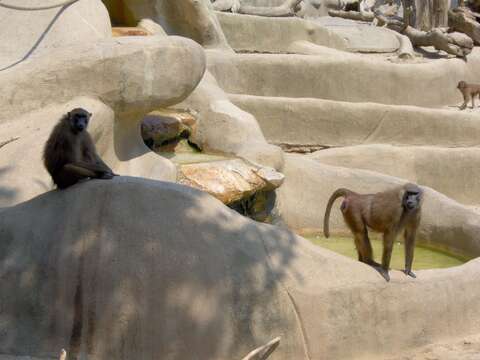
(156, 264)
(152, 27)
(318, 122)
(129, 31)
(464, 21)
(273, 178)
(450, 171)
(229, 180)
(23, 33)
(360, 36)
(194, 19)
(224, 127)
(108, 69)
(277, 33)
(331, 78)
(167, 124)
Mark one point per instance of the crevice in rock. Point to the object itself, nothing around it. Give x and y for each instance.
(6, 142)
(302, 148)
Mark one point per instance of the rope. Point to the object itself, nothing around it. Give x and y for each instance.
(30, 8)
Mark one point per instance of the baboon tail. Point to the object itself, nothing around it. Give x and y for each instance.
(338, 193)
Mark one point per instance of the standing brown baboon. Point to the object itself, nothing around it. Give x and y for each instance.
(70, 154)
(388, 212)
(469, 91)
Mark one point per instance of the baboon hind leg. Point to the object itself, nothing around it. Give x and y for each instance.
(364, 248)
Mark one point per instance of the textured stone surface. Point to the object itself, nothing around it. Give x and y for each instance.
(224, 127)
(129, 74)
(318, 122)
(361, 37)
(453, 172)
(229, 180)
(194, 19)
(345, 77)
(23, 33)
(129, 31)
(167, 124)
(242, 32)
(149, 269)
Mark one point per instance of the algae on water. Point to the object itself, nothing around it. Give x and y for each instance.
(424, 258)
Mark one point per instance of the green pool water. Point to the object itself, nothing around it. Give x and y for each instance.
(425, 258)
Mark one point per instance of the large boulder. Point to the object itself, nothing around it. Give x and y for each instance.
(133, 75)
(229, 180)
(23, 33)
(132, 269)
(163, 126)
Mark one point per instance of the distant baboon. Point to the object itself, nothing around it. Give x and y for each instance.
(388, 212)
(70, 154)
(469, 91)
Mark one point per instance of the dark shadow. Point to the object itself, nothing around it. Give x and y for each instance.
(196, 277)
(433, 53)
(7, 193)
(39, 40)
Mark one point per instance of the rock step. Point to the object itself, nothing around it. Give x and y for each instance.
(451, 171)
(345, 77)
(326, 123)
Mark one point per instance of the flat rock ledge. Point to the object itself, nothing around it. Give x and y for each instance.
(229, 180)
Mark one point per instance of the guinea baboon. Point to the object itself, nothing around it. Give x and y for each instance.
(388, 212)
(70, 154)
(469, 91)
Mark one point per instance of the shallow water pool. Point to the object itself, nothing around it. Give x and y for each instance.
(424, 258)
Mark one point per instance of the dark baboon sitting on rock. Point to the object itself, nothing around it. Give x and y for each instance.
(70, 154)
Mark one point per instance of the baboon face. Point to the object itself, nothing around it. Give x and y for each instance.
(462, 85)
(412, 197)
(78, 119)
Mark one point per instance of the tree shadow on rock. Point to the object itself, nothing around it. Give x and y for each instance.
(132, 268)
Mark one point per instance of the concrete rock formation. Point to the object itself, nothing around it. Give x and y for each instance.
(138, 268)
(420, 164)
(163, 125)
(201, 279)
(28, 32)
(229, 180)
